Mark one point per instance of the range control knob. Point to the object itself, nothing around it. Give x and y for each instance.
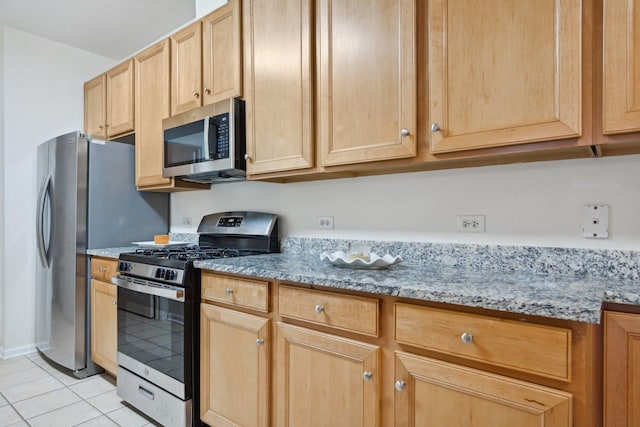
(171, 275)
(160, 273)
(124, 266)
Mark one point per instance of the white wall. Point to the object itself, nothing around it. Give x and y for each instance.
(1, 185)
(538, 204)
(43, 97)
(204, 7)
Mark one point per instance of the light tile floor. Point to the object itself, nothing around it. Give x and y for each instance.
(35, 393)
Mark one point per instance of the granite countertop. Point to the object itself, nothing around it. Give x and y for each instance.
(569, 298)
(554, 292)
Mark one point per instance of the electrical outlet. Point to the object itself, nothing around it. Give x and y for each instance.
(325, 222)
(471, 223)
(186, 220)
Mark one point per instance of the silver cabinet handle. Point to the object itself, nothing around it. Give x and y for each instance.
(367, 375)
(102, 269)
(259, 342)
(435, 127)
(114, 302)
(466, 338)
(319, 309)
(247, 157)
(228, 291)
(400, 385)
(195, 94)
(207, 90)
(405, 132)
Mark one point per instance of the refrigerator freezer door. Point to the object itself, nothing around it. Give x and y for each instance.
(62, 284)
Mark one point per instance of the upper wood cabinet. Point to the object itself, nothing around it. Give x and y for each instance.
(109, 102)
(503, 72)
(278, 60)
(621, 369)
(621, 66)
(367, 80)
(206, 60)
(152, 84)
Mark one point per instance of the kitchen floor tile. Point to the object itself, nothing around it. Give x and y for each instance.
(94, 386)
(31, 389)
(22, 377)
(71, 415)
(3, 401)
(11, 366)
(102, 421)
(107, 402)
(127, 416)
(19, 424)
(8, 416)
(44, 403)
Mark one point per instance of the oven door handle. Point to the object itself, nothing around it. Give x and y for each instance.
(147, 287)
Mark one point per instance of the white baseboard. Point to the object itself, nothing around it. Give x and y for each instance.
(8, 353)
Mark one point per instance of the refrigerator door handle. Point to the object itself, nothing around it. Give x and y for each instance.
(42, 197)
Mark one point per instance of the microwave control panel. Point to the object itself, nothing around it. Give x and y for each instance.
(219, 136)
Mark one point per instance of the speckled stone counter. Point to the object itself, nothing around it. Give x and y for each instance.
(562, 283)
(568, 298)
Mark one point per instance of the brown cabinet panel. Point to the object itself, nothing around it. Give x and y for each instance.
(120, 97)
(252, 294)
(186, 69)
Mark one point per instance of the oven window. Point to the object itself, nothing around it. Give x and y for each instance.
(151, 331)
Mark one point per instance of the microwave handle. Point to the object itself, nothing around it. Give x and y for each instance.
(146, 287)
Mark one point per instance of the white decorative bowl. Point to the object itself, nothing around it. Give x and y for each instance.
(341, 259)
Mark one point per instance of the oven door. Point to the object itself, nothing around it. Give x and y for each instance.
(154, 330)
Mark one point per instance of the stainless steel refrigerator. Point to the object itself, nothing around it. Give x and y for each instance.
(86, 200)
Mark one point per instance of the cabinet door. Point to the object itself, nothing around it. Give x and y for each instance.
(152, 105)
(104, 332)
(503, 72)
(621, 88)
(186, 69)
(279, 90)
(95, 98)
(221, 53)
(430, 392)
(234, 368)
(120, 93)
(367, 80)
(325, 380)
(621, 370)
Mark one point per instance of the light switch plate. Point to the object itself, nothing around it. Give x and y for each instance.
(595, 221)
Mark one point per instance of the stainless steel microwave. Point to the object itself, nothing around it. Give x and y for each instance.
(206, 144)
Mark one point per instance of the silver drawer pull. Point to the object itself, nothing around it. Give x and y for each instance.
(435, 127)
(228, 291)
(367, 375)
(319, 309)
(399, 385)
(466, 338)
(146, 393)
(259, 342)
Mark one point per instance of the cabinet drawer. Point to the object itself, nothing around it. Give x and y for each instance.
(247, 293)
(103, 269)
(345, 312)
(536, 349)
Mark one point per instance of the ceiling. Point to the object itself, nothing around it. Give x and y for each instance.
(112, 28)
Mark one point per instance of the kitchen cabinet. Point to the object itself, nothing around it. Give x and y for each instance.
(109, 102)
(235, 352)
(432, 392)
(621, 62)
(367, 80)
(503, 72)
(325, 380)
(152, 84)
(104, 314)
(278, 61)
(234, 367)
(621, 369)
(206, 60)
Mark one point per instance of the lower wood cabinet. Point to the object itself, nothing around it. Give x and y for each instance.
(104, 315)
(325, 380)
(430, 392)
(234, 367)
(621, 369)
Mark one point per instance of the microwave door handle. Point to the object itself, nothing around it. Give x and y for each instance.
(176, 294)
(42, 197)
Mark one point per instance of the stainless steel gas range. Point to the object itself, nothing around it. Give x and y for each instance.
(158, 323)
